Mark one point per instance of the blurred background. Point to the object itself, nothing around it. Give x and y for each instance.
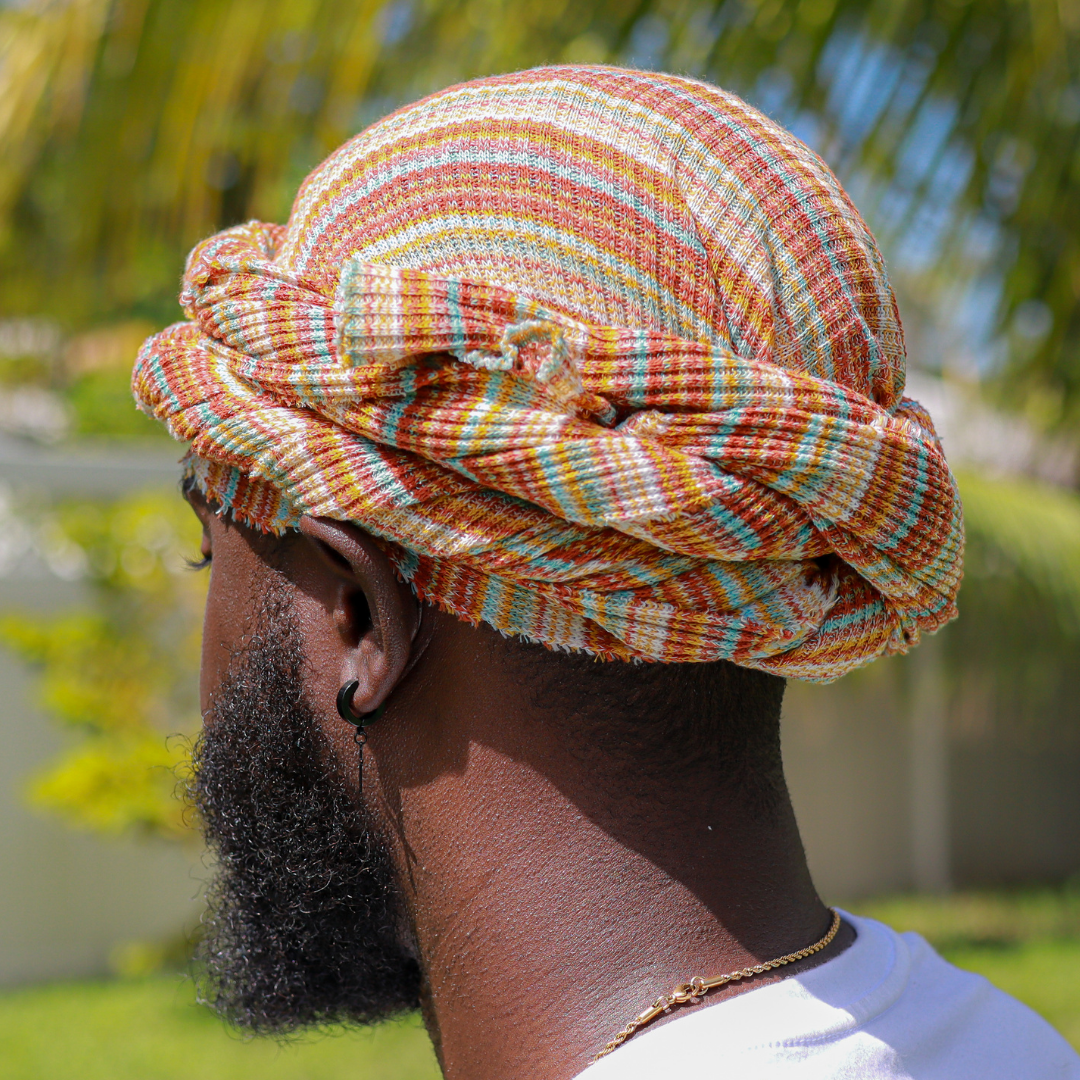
(941, 790)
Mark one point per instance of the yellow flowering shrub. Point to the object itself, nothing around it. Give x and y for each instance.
(122, 675)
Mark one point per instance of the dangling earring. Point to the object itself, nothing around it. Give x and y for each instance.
(360, 721)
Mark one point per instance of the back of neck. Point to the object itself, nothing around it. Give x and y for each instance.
(552, 900)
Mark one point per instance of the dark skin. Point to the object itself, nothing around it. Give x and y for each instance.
(551, 894)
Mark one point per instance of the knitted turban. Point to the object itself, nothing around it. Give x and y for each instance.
(603, 358)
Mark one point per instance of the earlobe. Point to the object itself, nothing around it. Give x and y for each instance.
(379, 652)
(348, 713)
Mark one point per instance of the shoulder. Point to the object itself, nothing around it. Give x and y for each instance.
(888, 1008)
(950, 1022)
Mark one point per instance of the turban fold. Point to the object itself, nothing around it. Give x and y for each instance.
(603, 358)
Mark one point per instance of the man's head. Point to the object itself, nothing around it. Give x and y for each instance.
(309, 914)
(565, 418)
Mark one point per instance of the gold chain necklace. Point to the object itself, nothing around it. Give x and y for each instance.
(698, 987)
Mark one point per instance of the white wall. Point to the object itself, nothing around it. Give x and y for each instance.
(68, 898)
(846, 760)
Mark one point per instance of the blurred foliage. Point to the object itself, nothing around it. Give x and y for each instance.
(1021, 527)
(94, 372)
(134, 127)
(121, 676)
(100, 406)
(138, 958)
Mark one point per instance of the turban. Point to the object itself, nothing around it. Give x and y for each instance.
(602, 358)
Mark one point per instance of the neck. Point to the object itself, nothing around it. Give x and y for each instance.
(552, 899)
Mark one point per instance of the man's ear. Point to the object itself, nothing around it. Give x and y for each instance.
(376, 615)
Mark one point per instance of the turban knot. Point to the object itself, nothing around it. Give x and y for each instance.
(622, 489)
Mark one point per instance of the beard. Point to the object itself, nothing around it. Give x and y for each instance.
(304, 920)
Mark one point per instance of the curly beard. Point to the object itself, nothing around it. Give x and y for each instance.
(304, 919)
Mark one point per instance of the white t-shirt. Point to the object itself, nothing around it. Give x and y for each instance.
(887, 1008)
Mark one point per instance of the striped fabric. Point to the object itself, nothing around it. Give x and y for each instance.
(606, 359)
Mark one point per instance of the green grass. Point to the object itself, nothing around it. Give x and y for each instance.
(1028, 943)
(151, 1029)
(963, 920)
